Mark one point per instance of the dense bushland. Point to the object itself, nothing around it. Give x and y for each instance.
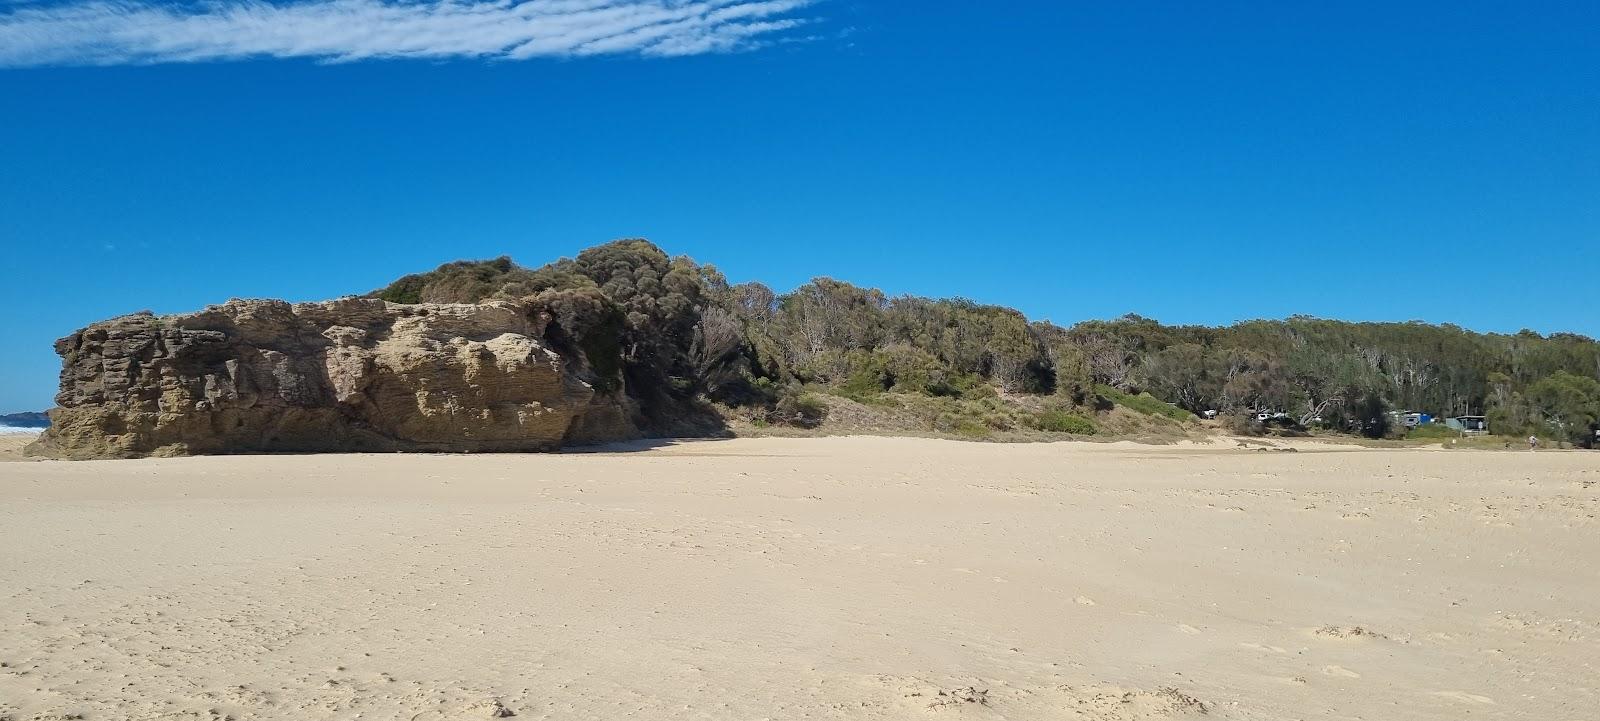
(669, 331)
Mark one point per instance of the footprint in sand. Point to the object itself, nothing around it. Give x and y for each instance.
(1464, 697)
(1186, 628)
(1083, 601)
(1264, 648)
(1340, 671)
(487, 709)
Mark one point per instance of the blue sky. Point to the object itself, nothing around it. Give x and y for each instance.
(1192, 162)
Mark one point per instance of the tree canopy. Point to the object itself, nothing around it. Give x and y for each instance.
(669, 328)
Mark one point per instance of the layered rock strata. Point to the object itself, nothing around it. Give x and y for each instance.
(355, 374)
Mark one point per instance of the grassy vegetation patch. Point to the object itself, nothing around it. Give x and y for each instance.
(1433, 430)
(1057, 421)
(1144, 403)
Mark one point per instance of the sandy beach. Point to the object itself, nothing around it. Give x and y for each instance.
(829, 578)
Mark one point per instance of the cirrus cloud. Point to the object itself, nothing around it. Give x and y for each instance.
(101, 32)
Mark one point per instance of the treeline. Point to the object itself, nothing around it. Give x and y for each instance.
(670, 331)
(1523, 382)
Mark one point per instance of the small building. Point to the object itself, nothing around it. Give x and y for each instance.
(1468, 424)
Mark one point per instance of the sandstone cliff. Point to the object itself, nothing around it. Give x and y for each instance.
(356, 374)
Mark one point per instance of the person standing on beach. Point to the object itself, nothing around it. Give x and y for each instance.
(1533, 443)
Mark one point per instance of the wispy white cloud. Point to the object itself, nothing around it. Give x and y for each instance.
(102, 32)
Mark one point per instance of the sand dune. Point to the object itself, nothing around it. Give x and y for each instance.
(834, 578)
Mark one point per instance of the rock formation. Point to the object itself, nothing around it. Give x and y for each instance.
(356, 374)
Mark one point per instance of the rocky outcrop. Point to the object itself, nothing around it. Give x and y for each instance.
(356, 374)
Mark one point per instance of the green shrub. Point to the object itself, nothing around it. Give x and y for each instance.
(1242, 424)
(1064, 422)
(912, 370)
(404, 290)
(961, 425)
(805, 410)
(1144, 403)
(998, 421)
(1433, 430)
(967, 385)
(863, 385)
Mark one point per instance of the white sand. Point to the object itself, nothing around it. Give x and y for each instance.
(842, 578)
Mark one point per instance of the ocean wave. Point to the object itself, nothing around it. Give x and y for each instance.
(17, 430)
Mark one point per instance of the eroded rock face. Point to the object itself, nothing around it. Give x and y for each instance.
(348, 375)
